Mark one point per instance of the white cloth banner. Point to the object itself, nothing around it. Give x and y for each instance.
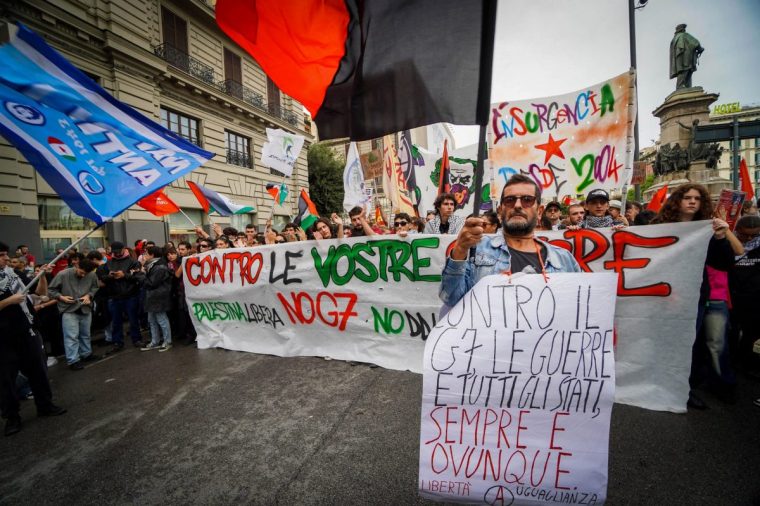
(281, 150)
(376, 300)
(517, 392)
(355, 193)
(569, 144)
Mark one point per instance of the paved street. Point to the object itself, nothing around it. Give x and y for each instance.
(222, 427)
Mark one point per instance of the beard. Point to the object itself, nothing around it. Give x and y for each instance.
(521, 228)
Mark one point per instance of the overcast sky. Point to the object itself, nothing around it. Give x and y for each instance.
(552, 47)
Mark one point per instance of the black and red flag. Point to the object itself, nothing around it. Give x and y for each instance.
(369, 68)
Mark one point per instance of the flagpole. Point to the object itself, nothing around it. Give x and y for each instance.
(61, 255)
(188, 218)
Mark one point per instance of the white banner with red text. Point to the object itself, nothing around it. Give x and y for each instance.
(376, 300)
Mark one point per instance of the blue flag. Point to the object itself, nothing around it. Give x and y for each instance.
(100, 155)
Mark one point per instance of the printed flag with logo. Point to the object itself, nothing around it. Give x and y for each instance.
(212, 201)
(100, 155)
(281, 150)
(158, 204)
(307, 211)
(354, 192)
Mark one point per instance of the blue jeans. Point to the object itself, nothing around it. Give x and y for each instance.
(159, 323)
(76, 336)
(117, 307)
(715, 326)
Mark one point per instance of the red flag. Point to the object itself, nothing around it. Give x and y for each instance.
(444, 176)
(347, 61)
(159, 204)
(749, 192)
(379, 216)
(658, 199)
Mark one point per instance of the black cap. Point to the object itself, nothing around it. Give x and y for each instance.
(553, 203)
(117, 245)
(598, 194)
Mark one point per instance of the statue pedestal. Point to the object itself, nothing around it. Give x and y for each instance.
(678, 114)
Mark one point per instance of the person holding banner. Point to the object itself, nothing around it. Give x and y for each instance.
(515, 250)
(691, 202)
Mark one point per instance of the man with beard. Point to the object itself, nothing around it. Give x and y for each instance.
(359, 225)
(515, 250)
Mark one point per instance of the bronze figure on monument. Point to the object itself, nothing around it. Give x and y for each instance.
(684, 55)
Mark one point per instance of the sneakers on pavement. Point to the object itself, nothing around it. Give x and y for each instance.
(116, 348)
(165, 347)
(76, 366)
(51, 361)
(150, 346)
(91, 358)
(13, 425)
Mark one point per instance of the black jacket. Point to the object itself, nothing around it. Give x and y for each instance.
(126, 287)
(158, 287)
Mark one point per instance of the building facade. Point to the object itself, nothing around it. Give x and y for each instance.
(170, 61)
(749, 149)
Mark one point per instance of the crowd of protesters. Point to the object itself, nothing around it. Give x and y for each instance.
(99, 291)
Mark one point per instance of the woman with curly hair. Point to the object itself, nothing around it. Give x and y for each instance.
(691, 202)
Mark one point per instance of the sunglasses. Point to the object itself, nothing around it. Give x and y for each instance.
(511, 200)
(400, 223)
(205, 245)
(279, 242)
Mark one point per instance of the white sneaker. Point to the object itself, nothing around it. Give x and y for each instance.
(165, 347)
(149, 347)
(51, 361)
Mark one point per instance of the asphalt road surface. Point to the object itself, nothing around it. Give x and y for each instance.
(220, 427)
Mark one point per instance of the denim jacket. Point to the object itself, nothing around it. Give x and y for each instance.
(492, 257)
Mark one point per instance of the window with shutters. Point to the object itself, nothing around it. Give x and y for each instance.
(233, 74)
(273, 97)
(174, 30)
(182, 125)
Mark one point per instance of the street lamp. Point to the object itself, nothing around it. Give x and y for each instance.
(634, 5)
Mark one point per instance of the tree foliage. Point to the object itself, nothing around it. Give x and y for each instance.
(649, 181)
(325, 179)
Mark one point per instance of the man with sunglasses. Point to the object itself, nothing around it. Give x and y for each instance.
(514, 250)
(402, 225)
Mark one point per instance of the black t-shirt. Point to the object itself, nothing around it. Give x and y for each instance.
(444, 227)
(521, 259)
(358, 232)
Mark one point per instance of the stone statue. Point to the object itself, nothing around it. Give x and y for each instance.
(684, 53)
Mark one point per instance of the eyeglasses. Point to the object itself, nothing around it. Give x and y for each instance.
(511, 200)
(400, 223)
(205, 245)
(279, 242)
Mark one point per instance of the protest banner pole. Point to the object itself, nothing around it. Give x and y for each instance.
(61, 255)
(631, 136)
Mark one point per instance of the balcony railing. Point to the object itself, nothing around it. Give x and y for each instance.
(185, 62)
(244, 93)
(205, 73)
(239, 158)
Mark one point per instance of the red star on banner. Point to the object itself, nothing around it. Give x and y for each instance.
(552, 148)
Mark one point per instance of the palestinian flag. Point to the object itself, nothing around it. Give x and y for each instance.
(158, 204)
(307, 211)
(279, 192)
(363, 68)
(61, 149)
(212, 201)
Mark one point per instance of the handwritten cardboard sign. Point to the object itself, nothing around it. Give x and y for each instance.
(518, 384)
(569, 144)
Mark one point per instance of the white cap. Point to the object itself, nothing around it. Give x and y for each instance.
(616, 204)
